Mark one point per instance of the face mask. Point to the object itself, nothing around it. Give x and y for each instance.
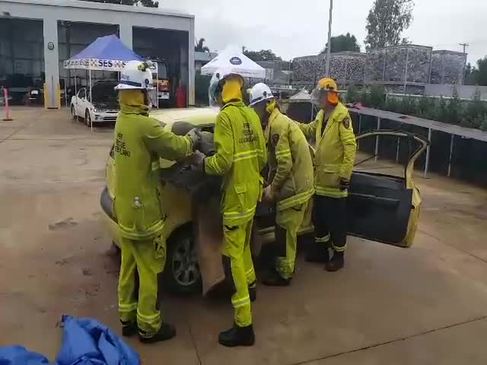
(232, 90)
(270, 107)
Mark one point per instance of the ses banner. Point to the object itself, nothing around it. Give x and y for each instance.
(94, 64)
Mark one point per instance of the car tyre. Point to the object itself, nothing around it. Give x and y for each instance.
(182, 273)
(87, 118)
(73, 113)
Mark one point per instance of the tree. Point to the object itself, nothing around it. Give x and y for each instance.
(476, 75)
(386, 21)
(200, 46)
(344, 42)
(146, 3)
(262, 55)
(480, 73)
(470, 73)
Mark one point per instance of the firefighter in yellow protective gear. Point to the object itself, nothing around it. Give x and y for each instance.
(240, 157)
(290, 183)
(334, 158)
(139, 141)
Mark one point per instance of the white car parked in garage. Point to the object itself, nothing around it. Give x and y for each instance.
(103, 106)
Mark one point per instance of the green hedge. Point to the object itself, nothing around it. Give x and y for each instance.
(471, 114)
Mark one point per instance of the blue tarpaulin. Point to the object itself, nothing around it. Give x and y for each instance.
(85, 342)
(104, 54)
(19, 355)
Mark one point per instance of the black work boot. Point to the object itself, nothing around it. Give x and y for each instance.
(336, 263)
(253, 291)
(129, 329)
(272, 278)
(166, 332)
(318, 252)
(237, 336)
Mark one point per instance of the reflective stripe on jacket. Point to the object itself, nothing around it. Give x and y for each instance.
(139, 141)
(240, 157)
(335, 150)
(290, 162)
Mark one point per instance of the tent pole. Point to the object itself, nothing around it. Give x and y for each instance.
(91, 100)
(75, 86)
(89, 78)
(157, 85)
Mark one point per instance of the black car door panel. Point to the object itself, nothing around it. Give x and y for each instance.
(379, 207)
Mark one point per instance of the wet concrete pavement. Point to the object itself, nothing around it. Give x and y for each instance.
(423, 305)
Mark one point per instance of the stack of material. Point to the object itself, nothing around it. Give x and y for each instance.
(375, 65)
(399, 64)
(307, 69)
(348, 67)
(448, 67)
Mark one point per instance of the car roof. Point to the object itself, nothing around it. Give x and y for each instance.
(198, 116)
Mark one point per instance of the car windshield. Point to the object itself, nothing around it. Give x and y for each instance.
(104, 92)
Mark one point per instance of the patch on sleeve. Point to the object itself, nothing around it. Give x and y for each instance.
(346, 122)
(275, 139)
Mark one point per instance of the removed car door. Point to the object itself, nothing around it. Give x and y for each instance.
(384, 206)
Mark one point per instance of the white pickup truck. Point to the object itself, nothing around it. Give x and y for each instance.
(103, 106)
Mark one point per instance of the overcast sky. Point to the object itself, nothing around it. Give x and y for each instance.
(299, 28)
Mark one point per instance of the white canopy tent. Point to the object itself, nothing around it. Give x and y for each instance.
(301, 96)
(233, 60)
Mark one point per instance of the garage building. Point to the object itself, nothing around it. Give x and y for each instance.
(37, 36)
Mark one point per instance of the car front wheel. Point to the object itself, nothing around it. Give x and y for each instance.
(182, 273)
(88, 118)
(73, 113)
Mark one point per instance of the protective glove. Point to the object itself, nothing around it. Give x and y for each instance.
(344, 184)
(195, 136)
(207, 143)
(269, 195)
(197, 160)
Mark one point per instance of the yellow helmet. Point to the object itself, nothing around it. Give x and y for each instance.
(326, 87)
(327, 84)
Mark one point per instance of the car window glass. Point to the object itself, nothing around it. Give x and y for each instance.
(394, 153)
(82, 93)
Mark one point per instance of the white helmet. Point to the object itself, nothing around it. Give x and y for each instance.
(260, 92)
(215, 87)
(136, 75)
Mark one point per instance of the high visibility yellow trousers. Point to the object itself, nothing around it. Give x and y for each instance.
(147, 258)
(237, 248)
(289, 220)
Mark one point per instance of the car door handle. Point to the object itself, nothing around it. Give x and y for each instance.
(380, 200)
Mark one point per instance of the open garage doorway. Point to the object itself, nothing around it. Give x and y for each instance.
(170, 50)
(22, 58)
(73, 38)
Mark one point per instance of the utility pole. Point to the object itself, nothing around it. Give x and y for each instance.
(328, 50)
(464, 45)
